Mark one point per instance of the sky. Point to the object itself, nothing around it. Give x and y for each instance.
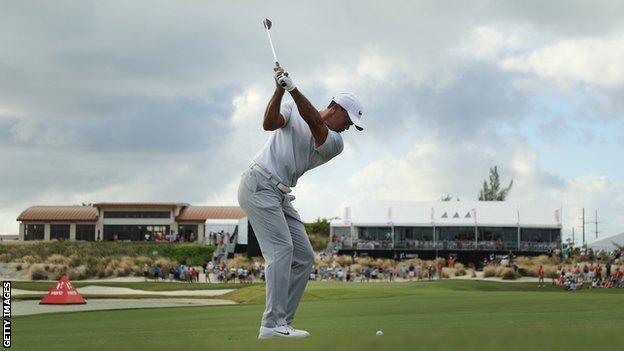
(163, 101)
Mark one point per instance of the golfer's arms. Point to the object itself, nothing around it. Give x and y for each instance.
(311, 116)
(272, 118)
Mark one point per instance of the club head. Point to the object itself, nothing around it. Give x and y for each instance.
(267, 23)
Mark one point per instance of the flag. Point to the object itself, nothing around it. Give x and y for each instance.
(347, 216)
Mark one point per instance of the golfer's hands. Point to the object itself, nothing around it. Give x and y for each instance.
(283, 80)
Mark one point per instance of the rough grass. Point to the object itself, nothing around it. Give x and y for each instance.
(75, 252)
(444, 315)
(82, 260)
(148, 286)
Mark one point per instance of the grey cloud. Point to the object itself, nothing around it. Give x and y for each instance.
(138, 94)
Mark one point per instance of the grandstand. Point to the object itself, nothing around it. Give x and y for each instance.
(469, 231)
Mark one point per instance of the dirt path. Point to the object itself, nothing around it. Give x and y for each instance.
(30, 307)
(108, 290)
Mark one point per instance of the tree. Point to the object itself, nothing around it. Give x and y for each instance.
(447, 197)
(493, 191)
(320, 226)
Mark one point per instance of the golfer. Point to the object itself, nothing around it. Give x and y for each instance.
(302, 138)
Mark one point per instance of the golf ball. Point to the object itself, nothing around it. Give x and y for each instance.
(379, 333)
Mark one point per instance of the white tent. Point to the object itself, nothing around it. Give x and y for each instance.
(452, 213)
(608, 243)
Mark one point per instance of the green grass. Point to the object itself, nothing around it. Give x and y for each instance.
(448, 315)
(98, 296)
(148, 286)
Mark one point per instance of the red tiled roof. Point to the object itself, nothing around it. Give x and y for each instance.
(139, 204)
(202, 213)
(59, 213)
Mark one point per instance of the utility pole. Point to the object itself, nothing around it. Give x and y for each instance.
(583, 219)
(573, 241)
(596, 223)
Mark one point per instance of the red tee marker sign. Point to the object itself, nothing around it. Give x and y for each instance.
(63, 293)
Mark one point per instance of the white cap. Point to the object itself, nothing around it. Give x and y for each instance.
(353, 106)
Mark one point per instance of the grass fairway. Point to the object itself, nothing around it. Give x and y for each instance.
(448, 315)
(148, 286)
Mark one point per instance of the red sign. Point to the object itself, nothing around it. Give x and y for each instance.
(63, 293)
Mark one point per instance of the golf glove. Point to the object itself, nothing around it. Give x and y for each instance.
(284, 81)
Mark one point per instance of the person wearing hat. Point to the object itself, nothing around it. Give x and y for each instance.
(302, 138)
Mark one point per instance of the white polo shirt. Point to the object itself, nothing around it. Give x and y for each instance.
(291, 150)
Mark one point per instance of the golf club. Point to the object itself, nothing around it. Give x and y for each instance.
(268, 24)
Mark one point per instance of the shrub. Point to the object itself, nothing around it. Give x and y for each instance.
(27, 259)
(37, 272)
(101, 273)
(18, 267)
(414, 262)
(448, 272)
(193, 254)
(58, 259)
(164, 263)
(441, 260)
(108, 271)
(357, 268)
(319, 242)
(508, 273)
(527, 271)
(459, 269)
(240, 261)
(39, 252)
(344, 260)
(471, 273)
(74, 261)
(125, 266)
(77, 273)
(364, 261)
(523, 261)
(489, 271)
(541, 259)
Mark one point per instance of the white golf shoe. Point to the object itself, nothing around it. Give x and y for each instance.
(284, 331)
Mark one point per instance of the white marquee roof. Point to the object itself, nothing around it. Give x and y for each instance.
(452, 213)
(607, 244)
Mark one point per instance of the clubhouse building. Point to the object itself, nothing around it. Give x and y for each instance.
(466, 230)
(111, 221)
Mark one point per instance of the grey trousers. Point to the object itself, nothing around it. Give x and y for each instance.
(284, 244)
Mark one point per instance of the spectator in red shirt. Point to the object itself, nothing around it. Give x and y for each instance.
(540, 274)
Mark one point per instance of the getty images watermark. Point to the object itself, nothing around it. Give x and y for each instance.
(6, 314)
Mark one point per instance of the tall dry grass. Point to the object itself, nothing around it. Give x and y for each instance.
(460, 270)
(489, 271)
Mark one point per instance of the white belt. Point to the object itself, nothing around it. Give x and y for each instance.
(281, 186)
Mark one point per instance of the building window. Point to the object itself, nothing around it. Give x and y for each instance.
(374, 238)
(187, 232)
(85, 232)
(341, 237)
(59, 231)
(455, 233)
(135, 232)
(505, 234)
(540, 235)
(137, 214)
(34, 232)
(413, 237)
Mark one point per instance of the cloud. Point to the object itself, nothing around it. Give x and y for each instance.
(591, 61)
(110, 102)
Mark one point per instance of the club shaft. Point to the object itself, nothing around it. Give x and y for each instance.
(272, 48)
